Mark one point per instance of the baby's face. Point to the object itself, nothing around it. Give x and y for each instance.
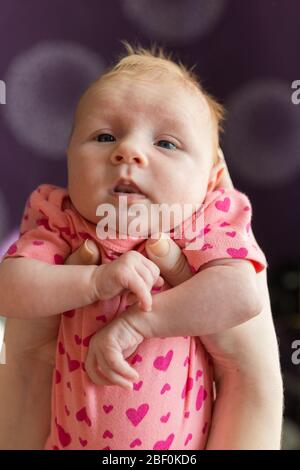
(155, 136)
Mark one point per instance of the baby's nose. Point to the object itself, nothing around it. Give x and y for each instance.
(129, 157)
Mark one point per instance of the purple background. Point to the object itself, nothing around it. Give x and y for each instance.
(252, 40)
(51, 50)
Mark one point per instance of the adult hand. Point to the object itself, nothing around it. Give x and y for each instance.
(245, 359)
(26, 378)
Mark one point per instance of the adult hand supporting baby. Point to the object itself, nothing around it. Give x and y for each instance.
(246, 364)
(25, 379)
(245, 359)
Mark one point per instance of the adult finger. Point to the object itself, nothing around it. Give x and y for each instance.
(167, 255)
(87, 254)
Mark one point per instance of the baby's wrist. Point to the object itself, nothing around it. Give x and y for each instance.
(145, 323)
(95, 282)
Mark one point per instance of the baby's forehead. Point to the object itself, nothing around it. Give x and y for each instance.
(189, 100)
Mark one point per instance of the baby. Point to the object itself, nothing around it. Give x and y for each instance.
(131, 371)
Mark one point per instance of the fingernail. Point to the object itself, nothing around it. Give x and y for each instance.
(159, 247)
(129, 386)
(89, 246)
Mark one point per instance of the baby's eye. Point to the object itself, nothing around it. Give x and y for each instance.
(105, 138)
(167, 144)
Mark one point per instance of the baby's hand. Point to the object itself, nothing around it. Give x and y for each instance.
(105, 363)
(131, 271)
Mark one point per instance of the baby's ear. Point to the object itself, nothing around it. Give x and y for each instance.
(216, 171)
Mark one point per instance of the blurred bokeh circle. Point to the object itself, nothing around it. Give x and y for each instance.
(176, 21)
(43, 85)
(262, 138)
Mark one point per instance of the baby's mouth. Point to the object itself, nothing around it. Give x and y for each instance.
(126, 188)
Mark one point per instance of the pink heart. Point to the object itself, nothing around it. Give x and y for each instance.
(57, 377)
(65, 230)
(69, 313)
(165, 388)
(72, 363)
(136, 358)
(38, 242)
(61, 348)
(136, 416)
(44, 223)
(206, 246)
(84, 235)
(224, 224)
(240, 253)
(186, 361)
(186, 414)
(86, 341)
(163, 362)
(12, 249)
(204, 231)
(58, 259)
(64, 437)
(188, 386)
(138, 385)
(207, 229)
(102, 318)
(199, 374)
(108, 408)
(83, 442)
(106, 448)
(108, 434)
(82, 415)
(201, 396)
(164, 445)
(164, 419)
(204, 428)
(189, 437)
(224, 205)
(77, 339)
(136, 442)
(231, 234)
(67, 410)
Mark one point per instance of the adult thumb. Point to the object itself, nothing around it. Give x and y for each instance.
(167, 255)
(87, 254)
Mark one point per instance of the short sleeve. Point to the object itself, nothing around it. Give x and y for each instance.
(225, 231)
(43, 227)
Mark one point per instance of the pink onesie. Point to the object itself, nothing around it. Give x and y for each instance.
(171, 405)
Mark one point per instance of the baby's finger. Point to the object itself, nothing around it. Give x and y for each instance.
(152, 267)
(95, 377)
(131, 298)
(160, 282)
(137, 285)
(114, 364)
(116, 379)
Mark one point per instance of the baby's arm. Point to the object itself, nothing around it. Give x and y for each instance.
(30, 288)
(223, 294)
